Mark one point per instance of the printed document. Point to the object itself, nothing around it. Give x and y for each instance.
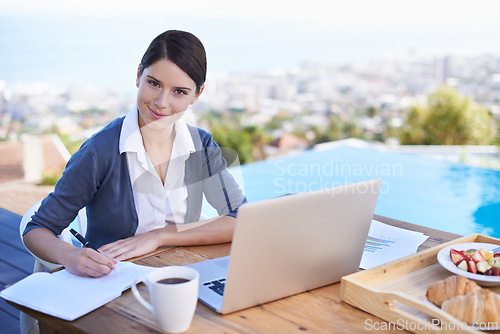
(386, 243)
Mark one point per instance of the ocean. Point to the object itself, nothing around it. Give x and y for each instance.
(105, 51)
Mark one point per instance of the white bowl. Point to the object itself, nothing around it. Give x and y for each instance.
(444, 259)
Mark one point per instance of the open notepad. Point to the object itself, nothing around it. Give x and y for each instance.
(68, 296)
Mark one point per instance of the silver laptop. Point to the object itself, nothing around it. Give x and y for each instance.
(290, 244)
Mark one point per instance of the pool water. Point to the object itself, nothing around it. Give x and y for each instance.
(448, 196)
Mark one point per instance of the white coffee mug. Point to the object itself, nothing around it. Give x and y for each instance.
(173, 303)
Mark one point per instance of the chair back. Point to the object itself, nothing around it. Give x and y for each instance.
(40, 264)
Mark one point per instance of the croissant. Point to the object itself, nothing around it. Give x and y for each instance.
(448, 288)
(478, 307)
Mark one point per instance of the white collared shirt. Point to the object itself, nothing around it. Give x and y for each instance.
(157, 204)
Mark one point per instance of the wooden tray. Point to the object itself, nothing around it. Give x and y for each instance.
(396, 291)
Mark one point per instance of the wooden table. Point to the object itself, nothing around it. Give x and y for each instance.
(316, 311)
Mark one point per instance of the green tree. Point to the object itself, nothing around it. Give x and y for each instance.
(371, 111)
(351, 130)
(448, 119)
(416, 130)
(258, 139)
(248, 141)
(227, 136)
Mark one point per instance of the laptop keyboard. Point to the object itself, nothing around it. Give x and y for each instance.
(216, 286)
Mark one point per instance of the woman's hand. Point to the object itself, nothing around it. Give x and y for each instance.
(207, 232)
(87, 262)
(131, 247)
(78, 261)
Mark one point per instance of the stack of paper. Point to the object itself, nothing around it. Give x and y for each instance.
(386, 243)
(68, 296)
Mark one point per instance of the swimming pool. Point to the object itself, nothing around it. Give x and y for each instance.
(448, 196)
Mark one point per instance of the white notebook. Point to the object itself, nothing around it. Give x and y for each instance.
(68, 296)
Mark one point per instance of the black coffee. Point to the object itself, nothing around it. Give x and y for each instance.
(173, 280)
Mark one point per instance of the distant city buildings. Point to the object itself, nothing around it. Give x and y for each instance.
(305, 95)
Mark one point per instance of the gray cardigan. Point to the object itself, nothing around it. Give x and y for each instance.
(97, 177)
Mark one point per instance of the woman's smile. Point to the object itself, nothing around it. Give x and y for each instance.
(157, 115)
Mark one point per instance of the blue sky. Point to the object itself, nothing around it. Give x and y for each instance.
(421, 11)
(101, 42)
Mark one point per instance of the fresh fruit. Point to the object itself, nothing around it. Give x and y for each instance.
(482, 267)
(478, 256)
(471, 266)
(494, 262)
(457, 256)
(463, 265)
(493, 272)
(476, 261)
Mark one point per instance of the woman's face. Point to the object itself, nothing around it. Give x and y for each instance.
(165, 92)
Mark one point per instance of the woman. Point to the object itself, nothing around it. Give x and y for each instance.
(144, 174)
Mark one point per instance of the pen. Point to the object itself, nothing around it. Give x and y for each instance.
(82, 239)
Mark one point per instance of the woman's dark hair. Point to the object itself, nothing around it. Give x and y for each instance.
(182, 48)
